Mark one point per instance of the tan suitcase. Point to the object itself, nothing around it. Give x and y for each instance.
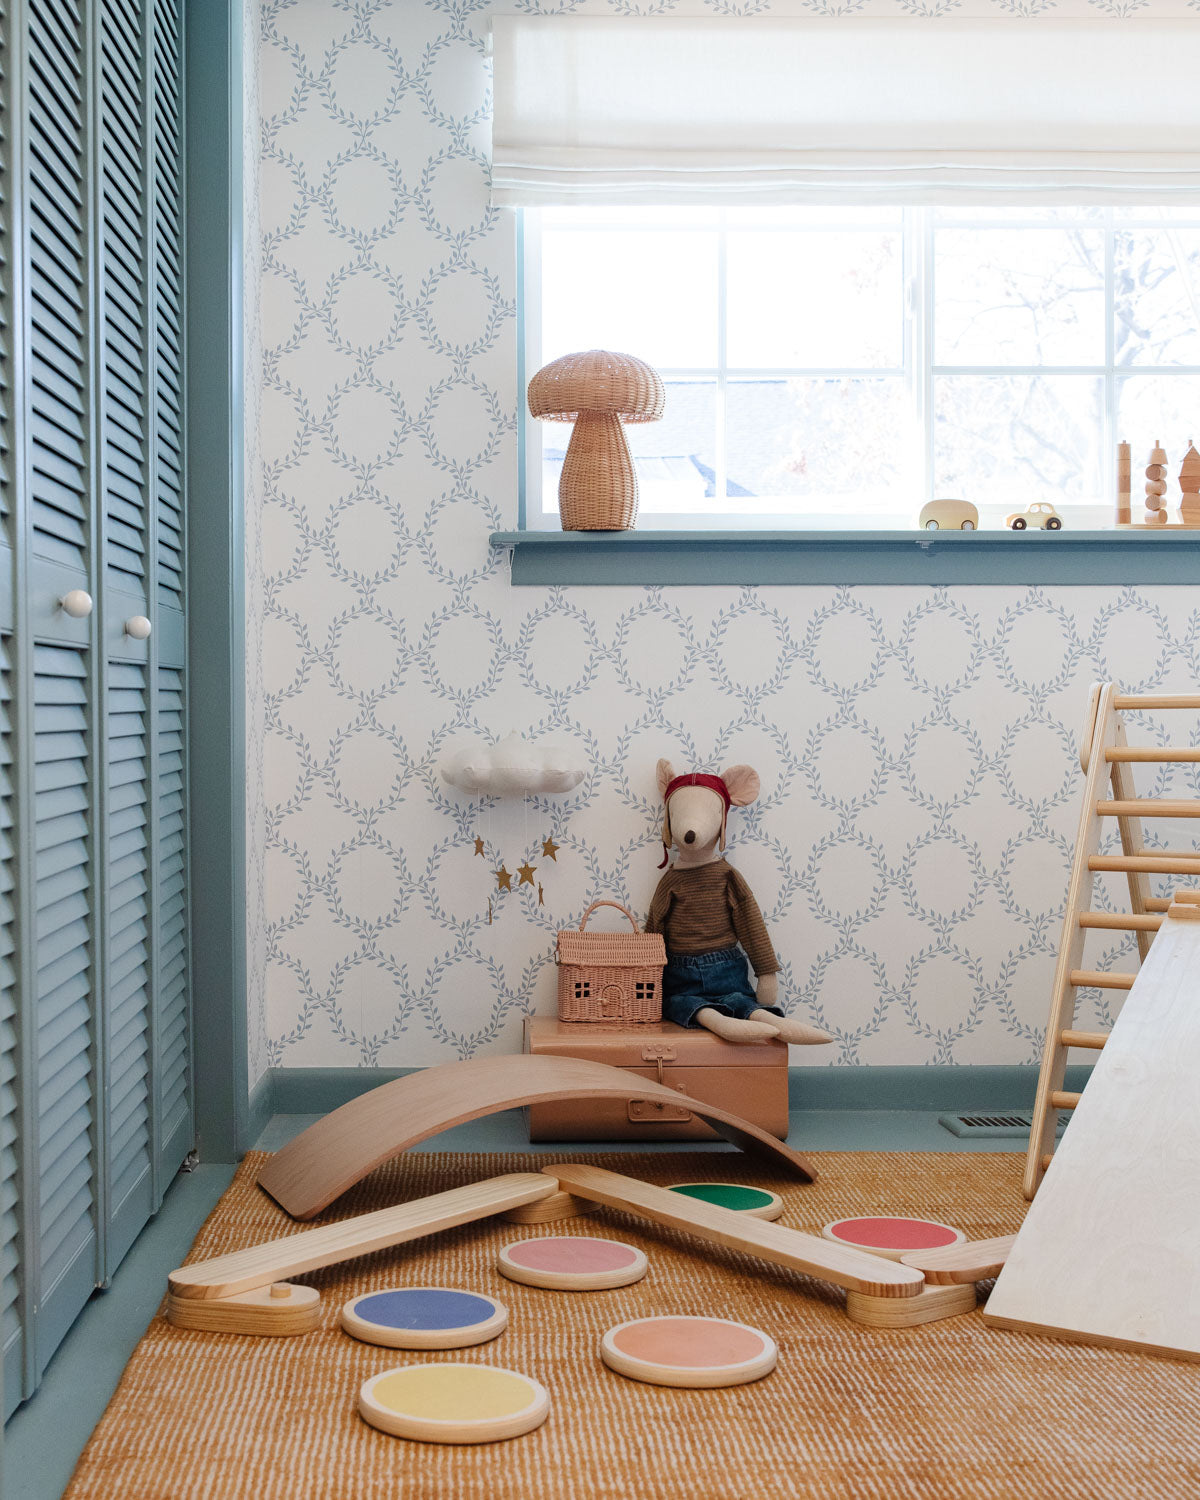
(750, 1081)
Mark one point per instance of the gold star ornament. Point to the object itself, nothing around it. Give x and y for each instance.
(525, 871)
(550, 849)
(503, 879)
(478, 846)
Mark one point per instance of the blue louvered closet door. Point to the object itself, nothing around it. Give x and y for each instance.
(95, 1114)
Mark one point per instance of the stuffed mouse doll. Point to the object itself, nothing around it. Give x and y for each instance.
(705, 910)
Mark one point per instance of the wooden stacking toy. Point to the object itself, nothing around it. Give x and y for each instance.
(1124, 484)
(424, 1317)
(757, 1202)
(1189, 484)
(572, 1263)
(453, 1403)
(694, 1352)
(1156, 486)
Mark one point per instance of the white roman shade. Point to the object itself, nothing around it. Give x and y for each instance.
(765, 110)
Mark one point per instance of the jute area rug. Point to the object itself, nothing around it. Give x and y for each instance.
(949, 1410)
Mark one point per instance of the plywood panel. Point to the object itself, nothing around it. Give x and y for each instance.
(1107, 1253)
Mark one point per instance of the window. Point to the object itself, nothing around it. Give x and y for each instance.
(839, 367)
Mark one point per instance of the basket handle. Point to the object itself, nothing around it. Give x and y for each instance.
(617, 904)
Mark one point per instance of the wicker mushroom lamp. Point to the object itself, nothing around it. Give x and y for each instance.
(597, 390)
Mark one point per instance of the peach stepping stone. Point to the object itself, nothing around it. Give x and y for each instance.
(686, 1351)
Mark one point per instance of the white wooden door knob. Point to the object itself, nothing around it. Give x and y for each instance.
(138, 627)
(77, 603)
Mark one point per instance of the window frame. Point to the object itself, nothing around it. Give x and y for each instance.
(918, 227)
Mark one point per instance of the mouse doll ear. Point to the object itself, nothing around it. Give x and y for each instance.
(743, 784)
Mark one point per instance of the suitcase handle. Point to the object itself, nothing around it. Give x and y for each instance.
(617, 904)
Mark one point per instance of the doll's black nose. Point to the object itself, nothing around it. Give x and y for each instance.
(690, 836)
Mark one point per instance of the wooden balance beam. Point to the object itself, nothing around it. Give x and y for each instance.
(247, 1291)
(338, 1151)
(879, 1293)
(844, 1266)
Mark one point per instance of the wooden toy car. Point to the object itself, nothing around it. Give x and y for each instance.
(949, 515)
(1040, 513)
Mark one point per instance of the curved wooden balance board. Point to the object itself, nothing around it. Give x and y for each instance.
(338, 1151)
(855, 1270)
(228, 1294)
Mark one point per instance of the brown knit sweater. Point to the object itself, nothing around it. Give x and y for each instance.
(708, 907)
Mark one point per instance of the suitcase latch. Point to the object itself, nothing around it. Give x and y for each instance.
(658, 1052)
(654, 1109)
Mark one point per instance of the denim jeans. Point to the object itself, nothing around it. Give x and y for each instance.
(720, 979)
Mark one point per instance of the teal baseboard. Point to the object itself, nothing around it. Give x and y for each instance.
(262, 1107)
(966, 1089)
(315, 1091)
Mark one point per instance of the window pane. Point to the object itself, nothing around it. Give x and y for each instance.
(1023, 214)
(675, 458)
(649, 293)
(810, 216)
(686, 217)
(834, 443)
(1011, 439)
(1180, 213)
(1019, 297)
(1158, 406)
(1157, 296)
(826, 298)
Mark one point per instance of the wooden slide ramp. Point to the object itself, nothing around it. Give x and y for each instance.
(1107, 1253)
(335, 1153)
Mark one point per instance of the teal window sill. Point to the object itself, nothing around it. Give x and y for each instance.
(835, 557)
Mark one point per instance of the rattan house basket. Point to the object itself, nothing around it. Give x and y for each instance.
(609, 976)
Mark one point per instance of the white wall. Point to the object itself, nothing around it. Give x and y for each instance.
(917, 747)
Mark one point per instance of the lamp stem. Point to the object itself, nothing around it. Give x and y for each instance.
(598, 489)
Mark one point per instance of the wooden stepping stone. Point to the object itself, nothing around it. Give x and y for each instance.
(892, 1236)
(756, 1202)
(424, 1317)
(453, 1403)
(572, 1263)
(693, 1352)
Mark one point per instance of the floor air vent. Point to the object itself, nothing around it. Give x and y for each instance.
(992, 1125)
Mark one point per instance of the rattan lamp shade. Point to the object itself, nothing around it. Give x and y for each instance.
(597, 390)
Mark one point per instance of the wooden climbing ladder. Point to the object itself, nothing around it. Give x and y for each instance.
(1107, 759)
